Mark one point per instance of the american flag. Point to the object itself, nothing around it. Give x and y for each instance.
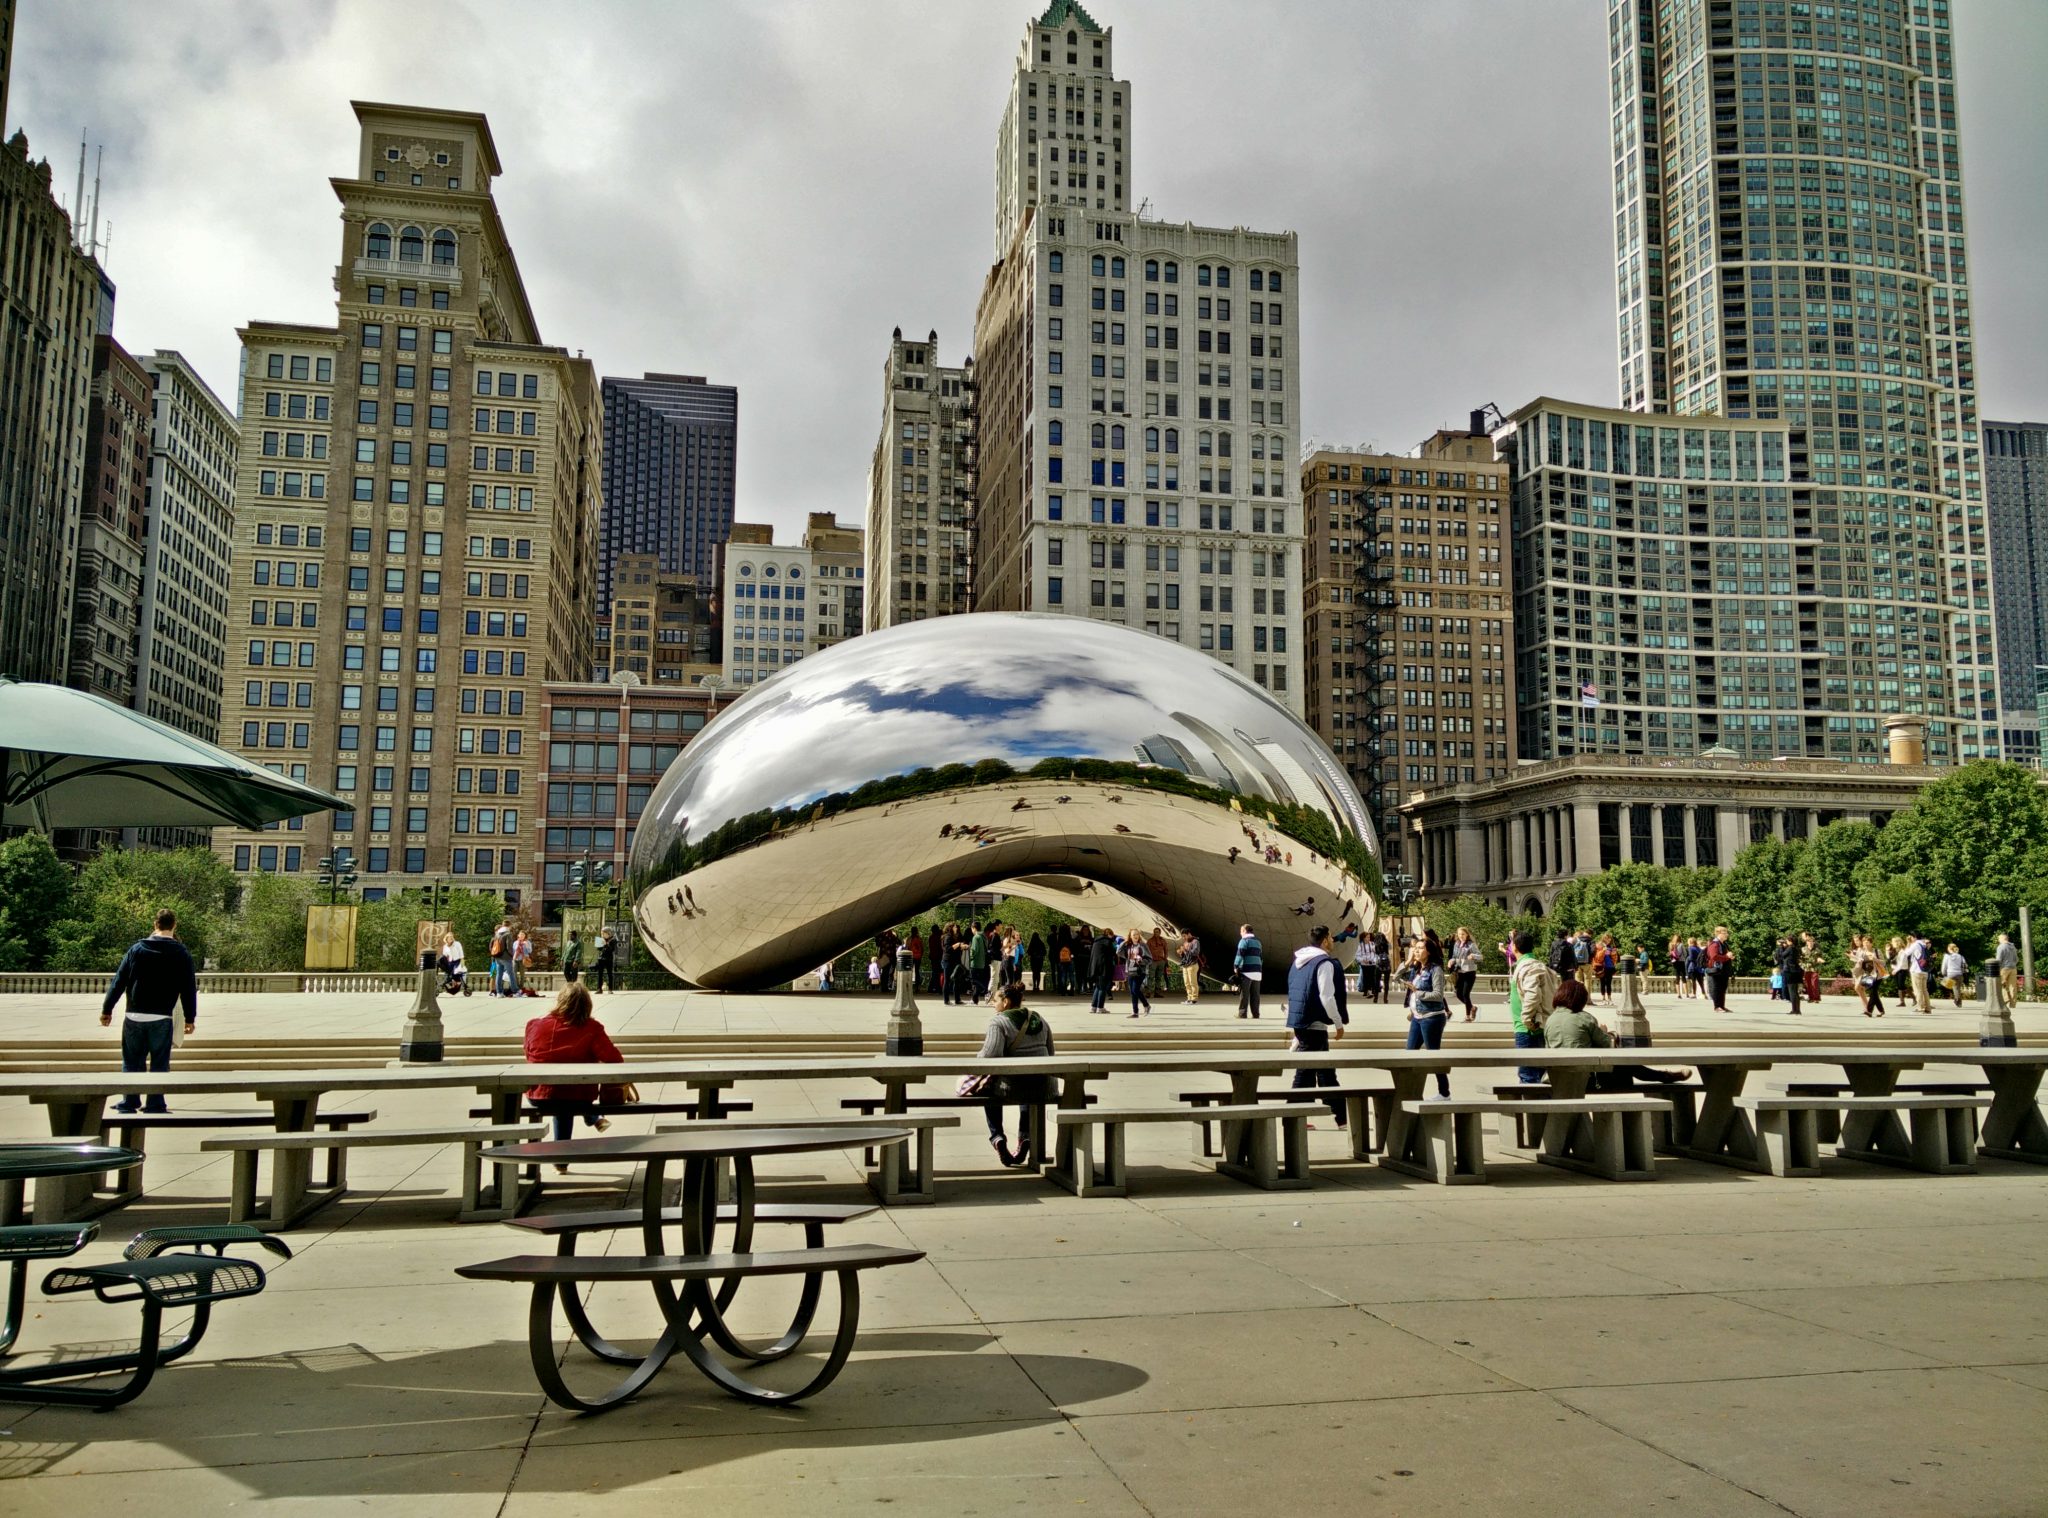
(1589, 694)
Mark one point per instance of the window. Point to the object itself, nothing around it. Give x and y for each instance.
(377, 244)
(444, 248)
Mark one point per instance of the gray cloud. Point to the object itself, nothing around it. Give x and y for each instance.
(759, 192)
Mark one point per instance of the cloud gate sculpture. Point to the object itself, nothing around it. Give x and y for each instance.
(1123, 778)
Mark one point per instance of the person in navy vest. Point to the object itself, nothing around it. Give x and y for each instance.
(1316, 1011)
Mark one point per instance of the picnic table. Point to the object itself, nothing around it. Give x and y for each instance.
(695, 1286)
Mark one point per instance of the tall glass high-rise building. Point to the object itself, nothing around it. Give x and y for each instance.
(1789, 248)
(670, 443)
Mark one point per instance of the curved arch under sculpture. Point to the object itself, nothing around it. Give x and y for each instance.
(1071, 761)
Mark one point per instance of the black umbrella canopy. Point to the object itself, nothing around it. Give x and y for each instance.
(70, 759)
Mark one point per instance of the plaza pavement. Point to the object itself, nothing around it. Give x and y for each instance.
(1869, 1342)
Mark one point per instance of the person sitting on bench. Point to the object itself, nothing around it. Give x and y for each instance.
(1571, 1026)
(1015, 1032)
(569, 1035)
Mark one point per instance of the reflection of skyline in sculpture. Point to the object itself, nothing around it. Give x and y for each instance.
(819, 809)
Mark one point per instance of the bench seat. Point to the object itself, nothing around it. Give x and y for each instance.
(1673, 1130)
(1265, 1144)
(526, 1113)
(479, 1203)
(1609, 1136)
(560, 1275)
(1828, 1121)
(1366, 1109)
(130, 1130)
(1942, 1139)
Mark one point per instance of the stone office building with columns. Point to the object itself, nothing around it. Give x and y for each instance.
(1518, 840)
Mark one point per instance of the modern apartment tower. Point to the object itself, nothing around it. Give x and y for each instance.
(188, 545)
(416, 527)
(1135, 450)
(1790, 252)
(920, 487)
(1408, 662)
(2016, 497)
(670, 443)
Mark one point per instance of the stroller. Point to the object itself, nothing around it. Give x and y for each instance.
(454, 977)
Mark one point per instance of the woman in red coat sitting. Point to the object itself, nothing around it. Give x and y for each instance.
(569, 1035)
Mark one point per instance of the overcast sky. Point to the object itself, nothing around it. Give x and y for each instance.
(759, 192)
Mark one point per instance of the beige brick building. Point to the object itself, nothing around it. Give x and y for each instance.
(920, 487)
(1410, 667)
(415, 537)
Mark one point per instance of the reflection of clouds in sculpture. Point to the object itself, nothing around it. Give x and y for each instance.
(829, 869)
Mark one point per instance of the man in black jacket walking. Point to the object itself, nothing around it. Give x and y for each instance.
(155, 975)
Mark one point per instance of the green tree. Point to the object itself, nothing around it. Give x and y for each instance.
(1755, 902)
(1824, 887)
(36, 887)
(13, 952)
(1491, 926)
(387, 931)
(1637, 903)
(1976, 842)
(268, 930)
(118, 895)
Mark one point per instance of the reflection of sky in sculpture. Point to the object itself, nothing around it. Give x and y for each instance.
(963, 689)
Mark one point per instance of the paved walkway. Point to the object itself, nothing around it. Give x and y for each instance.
(661, 1012)
(1868, 1343)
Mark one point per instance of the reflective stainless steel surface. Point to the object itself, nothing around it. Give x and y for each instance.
(1126, 778)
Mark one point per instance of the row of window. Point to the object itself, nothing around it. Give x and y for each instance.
(1210, 516)
(370, 374)
(1168, 271)
(377, 861)
(413, 243)
(408, 295)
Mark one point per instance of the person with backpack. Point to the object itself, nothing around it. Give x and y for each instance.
(1531, 985)
(1582, 958)
(1015, 1032)
(1563, 959)
(1316, 1011)
(1920, 964)
(1720, 965)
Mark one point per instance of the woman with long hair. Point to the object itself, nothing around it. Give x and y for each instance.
(568, 1035)
(1429, 1008)
(1463, 960)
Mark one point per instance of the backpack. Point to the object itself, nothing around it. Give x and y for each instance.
(1561, 958)
(1582, 951)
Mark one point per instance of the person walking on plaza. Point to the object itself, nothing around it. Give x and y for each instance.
(1191, 966)
(2008, 961)
(1015, 1032)
(977, 961)
(1720, 963)
(1365, 958)
(1868, 973)
(501, 949)
(1955, 969)
(1250, 967)
(1034, 956)
(1919, 966)
(1531, 984)
(1603, 966)
(1157, 946)
(1790, 972)
(1429, 1007)
(1674, 954)
(1582, 957)
(1316, 1011)
(156, 976)
(567, 1034)
(1464, 966)
(1101, 971)
(1138, 971)
(522, 955)
(572, 957)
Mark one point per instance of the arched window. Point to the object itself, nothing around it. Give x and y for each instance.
(1097, 435)
(1223, 276)
(1116, 268)
(377, 241)
(1151, 439)
(1152, 269)
(1205, 444)
(1096, 265)
(412, 245)
(1201, 274)
(1055, 433)
(1173, 440)
(1116, 436)
(1223, 444)
(444, 248)
(1172, 273)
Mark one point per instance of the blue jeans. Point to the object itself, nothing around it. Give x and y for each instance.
(146, 1046)
(1317, 1041)
(1428, 1032)
(1529, 1075)
(1136, 981)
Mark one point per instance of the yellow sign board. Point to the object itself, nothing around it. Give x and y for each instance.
(331, 937)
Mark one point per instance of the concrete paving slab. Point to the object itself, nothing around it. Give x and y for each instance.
(1862, 1444)
(951, 1233)
(1121, 1286)
(1279, 1224)
(1755, 1262)
(1453, 1271)
(1451, 1455)
(1961, 1322)
(1622, 1341)
(460, 1484)
(1033, 1466)
(1280, 1357)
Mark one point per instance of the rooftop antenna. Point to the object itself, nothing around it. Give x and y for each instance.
(78, 198)
(99, 157)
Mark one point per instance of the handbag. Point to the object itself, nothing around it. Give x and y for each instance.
(624, 1093)
(972, 1085)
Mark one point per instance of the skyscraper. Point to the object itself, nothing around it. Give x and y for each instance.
(2016, 497)
(920, 487)
(420, 479)
(107, 595)
(188, 542)
(1135, 456)
(670, 442)
(1789, 249)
